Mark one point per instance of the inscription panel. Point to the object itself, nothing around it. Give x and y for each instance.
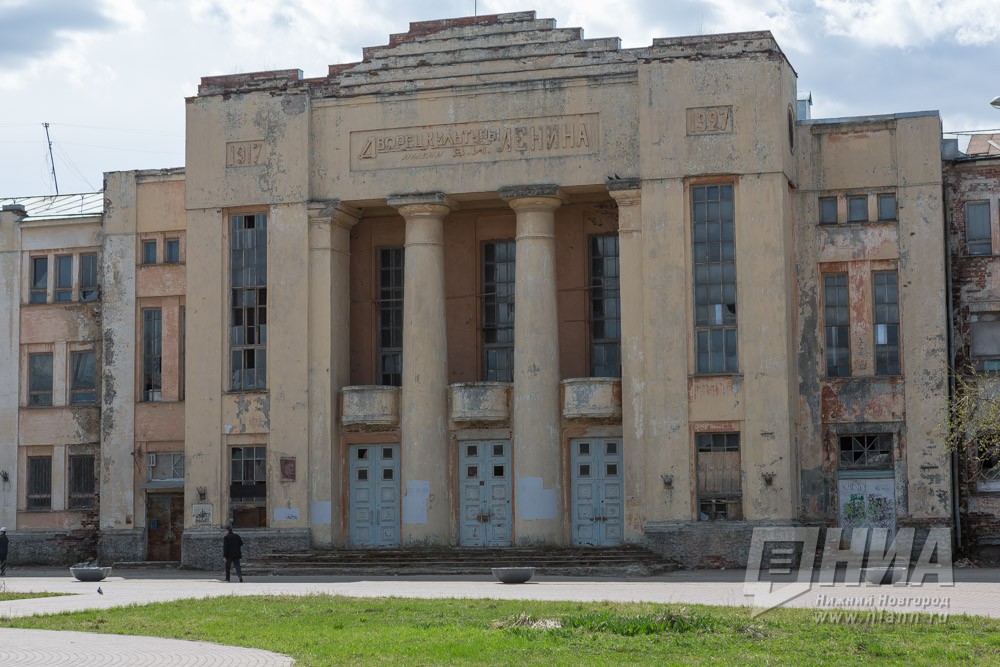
(553, 136)
(243, 153)
(710, 120)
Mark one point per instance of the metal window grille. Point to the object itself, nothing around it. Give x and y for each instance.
(827, 210)
(866, 451)
(605, 307)
(149, 252)
(886, 300)
(83, 377)
(714, 279)
(82, 482)
(64, 278)
(88, 277)
(837, 319)
(720, 486)
(40, 379)
(172, 251)
(39, 492)
(39, 279)
(248, 481)
(390, 316)
(978, 232)
(152, 354)
(499, 263)
(887, 206)
(248, 283)
(857, 208)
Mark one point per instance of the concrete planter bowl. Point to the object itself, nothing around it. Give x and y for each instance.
(513, 575)
(89, 572)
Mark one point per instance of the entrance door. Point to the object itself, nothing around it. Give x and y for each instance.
(374, 493)
(868, 502)
(164, 525)
(596, 473)
(484, 480)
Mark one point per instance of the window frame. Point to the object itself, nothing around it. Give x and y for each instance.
(84, 498)
(888, 359)
(498, 298)
(78, 395)
(172, 257)
(151, 369)
(860, 452)
(605, 295)
(39, 293)
(841, 327)
(146, 245)
(715, 322)
(38, 486)
(879, 197)
(40, 397)
(89, 291)
(389, 315)
(823, 218)
(251, 287)
(983, 244)
(850, 211)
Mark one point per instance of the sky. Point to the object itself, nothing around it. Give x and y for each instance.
(110, 76)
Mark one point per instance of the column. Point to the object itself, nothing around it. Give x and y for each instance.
(536, 414)
(644, 486)
(424, 412)
(11, 216)
(330, 224)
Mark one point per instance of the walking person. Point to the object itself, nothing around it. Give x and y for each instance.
(232, 552)
(4, 545)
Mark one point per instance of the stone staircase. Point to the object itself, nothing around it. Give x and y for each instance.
(627, 560)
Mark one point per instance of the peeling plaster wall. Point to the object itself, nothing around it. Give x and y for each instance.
(10, 327)
(867, 156)
(975, 291)
(118, 299)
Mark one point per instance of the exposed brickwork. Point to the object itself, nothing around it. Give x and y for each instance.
(965, 181)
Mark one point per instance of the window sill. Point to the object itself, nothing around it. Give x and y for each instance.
(60, 304)
(732, 374)
(856, 223)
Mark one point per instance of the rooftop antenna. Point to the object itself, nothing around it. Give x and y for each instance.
(51, 159)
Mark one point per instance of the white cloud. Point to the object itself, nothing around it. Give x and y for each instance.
(909, 23)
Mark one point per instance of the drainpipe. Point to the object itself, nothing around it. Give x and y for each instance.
(952, 353)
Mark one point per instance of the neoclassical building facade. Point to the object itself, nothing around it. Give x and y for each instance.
(499, 285)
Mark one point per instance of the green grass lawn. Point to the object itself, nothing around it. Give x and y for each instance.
(327, 630)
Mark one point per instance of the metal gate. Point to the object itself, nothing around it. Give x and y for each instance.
(484, 501)
(374, 492)
(597, 480)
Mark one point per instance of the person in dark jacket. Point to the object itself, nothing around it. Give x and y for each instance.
(232, 552)
(4, 544)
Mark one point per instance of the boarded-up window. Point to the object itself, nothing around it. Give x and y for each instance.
(82, 482)
(720, 488)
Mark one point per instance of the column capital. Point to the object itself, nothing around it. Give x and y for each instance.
(421, 204)
(333, 210)
(625, 191)
(540, 197)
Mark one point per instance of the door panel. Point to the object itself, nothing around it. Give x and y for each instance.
(374, 496)
(868, 502)
(484, 500)
(596, 473)
(164, 526)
